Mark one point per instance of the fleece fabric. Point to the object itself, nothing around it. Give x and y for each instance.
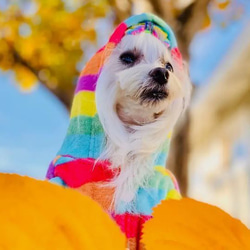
(75, 165)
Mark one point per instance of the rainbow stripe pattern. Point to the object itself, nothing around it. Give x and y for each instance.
(75, 165)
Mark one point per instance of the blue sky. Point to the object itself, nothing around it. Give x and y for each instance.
(33, 125)
(211, 45)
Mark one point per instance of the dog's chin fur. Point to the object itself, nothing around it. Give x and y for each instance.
(136, 129)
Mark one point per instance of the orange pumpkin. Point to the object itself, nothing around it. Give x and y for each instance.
(40, 215)
(189, 224)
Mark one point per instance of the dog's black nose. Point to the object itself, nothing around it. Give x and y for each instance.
(160, 75)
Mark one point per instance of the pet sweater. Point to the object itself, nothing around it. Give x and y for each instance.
(75, 165)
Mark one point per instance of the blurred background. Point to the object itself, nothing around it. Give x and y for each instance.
(44, 44)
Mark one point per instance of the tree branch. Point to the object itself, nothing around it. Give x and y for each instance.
(64, 96)
(186, 24)
(189, 22)
(121, 13)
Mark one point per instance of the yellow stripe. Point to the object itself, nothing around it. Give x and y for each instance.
(162, 170)
(83, 104)
(173, 194)
(169, 135)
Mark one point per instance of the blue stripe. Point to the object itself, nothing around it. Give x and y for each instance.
(58, 181)
(161, 159)
(162, 24)
(82, 146)
(146, 199)
(63, 159)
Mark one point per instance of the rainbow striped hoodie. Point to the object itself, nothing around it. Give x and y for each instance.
(75, 165)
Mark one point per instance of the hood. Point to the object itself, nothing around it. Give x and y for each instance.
(85, 137)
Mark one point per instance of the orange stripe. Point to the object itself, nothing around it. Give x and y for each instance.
(56, 158)
(99, 193)
(96, 62)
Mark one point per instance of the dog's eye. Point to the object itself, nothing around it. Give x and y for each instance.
(169, 67)
(128, 58)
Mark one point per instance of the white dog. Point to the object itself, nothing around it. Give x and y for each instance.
(140, 94)
(127, 101)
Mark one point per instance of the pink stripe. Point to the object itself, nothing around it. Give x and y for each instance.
(86, 82)
(118, 33)
(102, 48)
(176, 54)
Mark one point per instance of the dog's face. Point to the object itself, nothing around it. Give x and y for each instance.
(147, 79)
(141, 83)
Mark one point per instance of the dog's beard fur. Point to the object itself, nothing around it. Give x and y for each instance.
(136, 126)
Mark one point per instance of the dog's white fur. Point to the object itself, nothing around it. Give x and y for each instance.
(133, 132)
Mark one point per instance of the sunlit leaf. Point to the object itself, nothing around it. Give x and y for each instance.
(25, 77)
(222, 5)
(207, 21)
(48, 37)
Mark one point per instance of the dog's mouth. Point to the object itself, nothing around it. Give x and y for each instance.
(153, 95)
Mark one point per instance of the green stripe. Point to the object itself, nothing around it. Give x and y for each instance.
(160, 181)
(165, 146)
(85, 125)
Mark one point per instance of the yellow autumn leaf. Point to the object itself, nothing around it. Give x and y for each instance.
(189, 224)
(25, 77)
(6, 58)
(222, 5)
(48, 38)
(40, 215)
(206, 21)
